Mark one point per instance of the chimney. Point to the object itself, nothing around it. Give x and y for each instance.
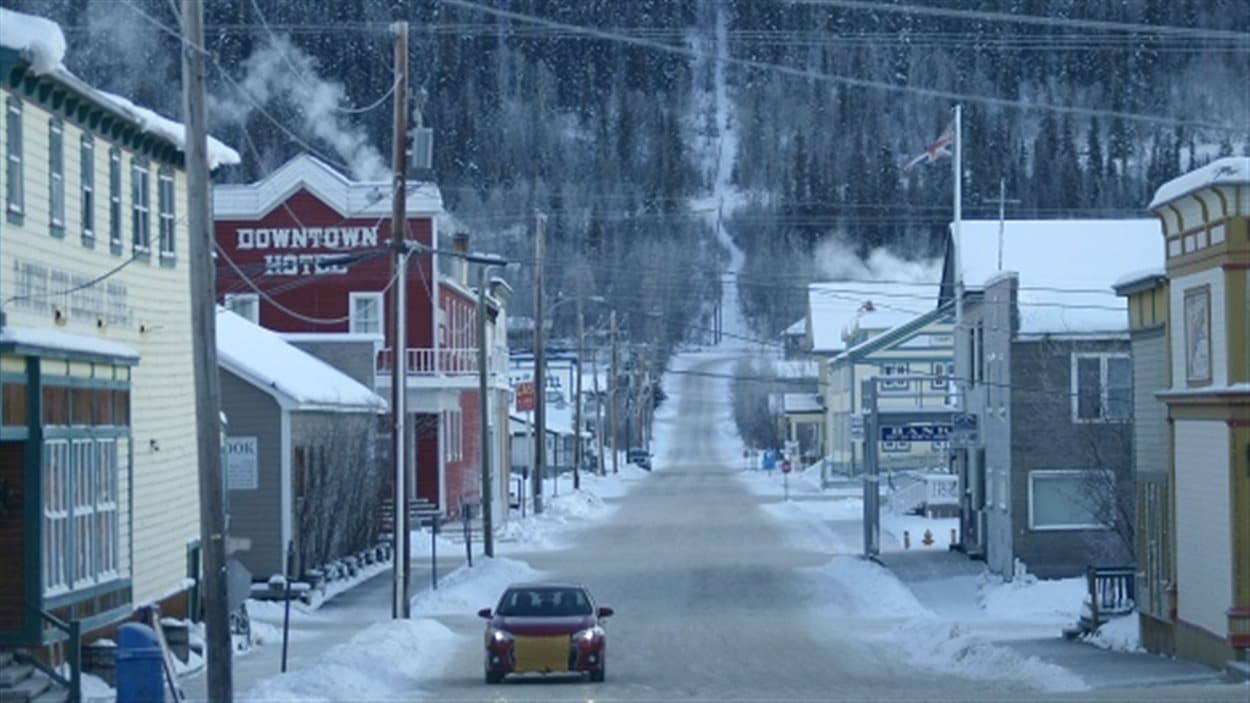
(460, 244)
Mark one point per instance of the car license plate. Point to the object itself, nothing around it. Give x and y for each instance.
(541, 654)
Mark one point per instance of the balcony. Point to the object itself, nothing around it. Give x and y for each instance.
(431, 362)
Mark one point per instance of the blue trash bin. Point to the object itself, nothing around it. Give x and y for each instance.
(140, 665)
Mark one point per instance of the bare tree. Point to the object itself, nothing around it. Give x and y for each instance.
(339, 483)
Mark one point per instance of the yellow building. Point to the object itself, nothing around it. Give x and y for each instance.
(1205, 216)
(99, 505)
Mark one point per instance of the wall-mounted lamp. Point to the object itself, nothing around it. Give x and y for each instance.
(154, 445)
(59, 316)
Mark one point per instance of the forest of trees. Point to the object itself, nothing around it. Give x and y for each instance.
(610, 138)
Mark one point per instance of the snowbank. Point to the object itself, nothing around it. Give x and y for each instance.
(1123, 634)
(1029, 598)
(388, 660)
(467, 590)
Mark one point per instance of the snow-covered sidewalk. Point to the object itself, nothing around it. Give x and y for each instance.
(944, 612)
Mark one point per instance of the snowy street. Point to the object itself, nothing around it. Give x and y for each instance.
(724, 591)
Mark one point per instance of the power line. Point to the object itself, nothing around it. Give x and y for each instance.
(838, 79)
(82, 286)
(1193, 33)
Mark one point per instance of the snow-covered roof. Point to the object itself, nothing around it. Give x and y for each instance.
(41, 42)
(1065, 267)
(797, 328)
(839, 310)
(803, 403)
(1133, 279)
(306, 172)
(46, 339)
(796, 368)
(300, 381)
(1226, 171)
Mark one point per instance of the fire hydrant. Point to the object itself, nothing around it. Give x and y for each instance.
(928, 538)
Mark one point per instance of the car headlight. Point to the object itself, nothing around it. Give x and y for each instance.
(497, 636)
(588, 635)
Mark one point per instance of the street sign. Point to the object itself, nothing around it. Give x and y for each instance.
(915, 433)
(857, 427)
(964, 428)
(785, 466)
(525, 396)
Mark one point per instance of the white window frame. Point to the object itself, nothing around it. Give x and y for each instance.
(942, 371)
(56, 176)
(893, 368)
(14, 192)
(895, 446)
(165, 212)
(357, 321)
(1078, 474)
(454, 434)
(231, 302)
(1104, 360)
(56, 517)
(115, 198)
(140, 206)
(87, 179)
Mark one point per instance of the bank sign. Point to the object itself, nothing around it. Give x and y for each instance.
(916, 433)
(301, 251)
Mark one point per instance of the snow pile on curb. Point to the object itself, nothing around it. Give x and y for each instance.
(1123, 634)
(388, 660)
(467, 590)
(1027, 597)
(946, 648)
(854, 587)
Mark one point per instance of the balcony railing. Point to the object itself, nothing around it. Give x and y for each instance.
(430, 362)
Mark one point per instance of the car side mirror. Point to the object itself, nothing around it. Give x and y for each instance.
(484, 613)
(605, 612)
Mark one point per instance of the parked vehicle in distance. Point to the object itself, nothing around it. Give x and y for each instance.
(640, 458)
(545, 627)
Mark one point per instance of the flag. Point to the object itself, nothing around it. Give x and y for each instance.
(936, 150)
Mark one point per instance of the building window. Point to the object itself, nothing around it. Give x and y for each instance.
(87, 171)
(13, 194)
(892, 446)
(1102, 388)
(140, 208)
(115, 200)
(889, 374)
(80, 513)
(366, 313)
(245, 305)
(943, 371)
(454, 435)
(165, 211)
(56, 177)
(1070, 499)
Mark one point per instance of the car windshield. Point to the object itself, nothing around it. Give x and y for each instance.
(540, 602)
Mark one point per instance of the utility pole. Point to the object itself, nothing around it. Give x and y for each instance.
(204, 357)
(612, 395)
(577, 399)
(600, 464)
(540, 373)
(399, 355)
(488, 536)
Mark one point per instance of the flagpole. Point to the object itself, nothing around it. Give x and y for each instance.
(957, 168)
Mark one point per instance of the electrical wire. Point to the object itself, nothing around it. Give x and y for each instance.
(82, 286)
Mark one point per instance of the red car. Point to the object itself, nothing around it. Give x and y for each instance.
(545, 627)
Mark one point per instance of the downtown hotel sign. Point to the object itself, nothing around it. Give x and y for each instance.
(303, 251)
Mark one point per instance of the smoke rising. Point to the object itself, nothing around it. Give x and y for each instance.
(279, 72)
(838, 260)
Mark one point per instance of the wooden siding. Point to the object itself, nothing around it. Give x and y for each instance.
(156, 299)
(256, 515)
(1150, 429)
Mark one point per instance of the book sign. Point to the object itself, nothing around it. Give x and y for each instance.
(241, 463)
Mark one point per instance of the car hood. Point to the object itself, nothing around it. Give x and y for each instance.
(538, 626)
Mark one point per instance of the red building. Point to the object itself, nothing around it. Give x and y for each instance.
(304, 252)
